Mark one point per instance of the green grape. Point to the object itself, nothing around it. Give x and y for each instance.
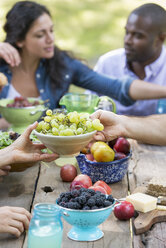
(49, 133)
(88, 124)
(39, 126)
(55, 131)
(79, 131)
(97, 125)
(100, 127)
(61, 127)
(84, 116)
(61, 117)
(47, 118)
(74, 117)
(45, 126)
(54, 117)
(73, 126)
(61, 133)
(68, 132)
(90, 129)
(54, 123)
(69, 124)
(49, 112)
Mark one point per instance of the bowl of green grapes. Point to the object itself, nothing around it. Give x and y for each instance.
(67, 134)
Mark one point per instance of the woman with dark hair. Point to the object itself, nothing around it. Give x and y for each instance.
(35, 67)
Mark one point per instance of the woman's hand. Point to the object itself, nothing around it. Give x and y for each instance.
(14, 220)
(24, 150)
(10, 54)
(113, 126)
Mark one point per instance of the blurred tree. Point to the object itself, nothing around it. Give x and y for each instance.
(90, 27)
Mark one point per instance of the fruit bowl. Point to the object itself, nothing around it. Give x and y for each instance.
(85, 222)
(109, 172)
(65, 146)
(20, 118)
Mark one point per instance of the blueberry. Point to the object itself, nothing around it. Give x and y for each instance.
(91, 191)
(62, 204)
(107, 203)
(77, 205)
(99, 202)
(64, 199)
(110, 198)
(82, 200)
(62, 195)
(71, 205)
(94, 207)
(68, 195)
(83, 190)
(86, 207)
(75, 193)
(87, 195)
(58, 200)
(91, 202)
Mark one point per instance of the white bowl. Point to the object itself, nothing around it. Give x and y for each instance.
(65, 146)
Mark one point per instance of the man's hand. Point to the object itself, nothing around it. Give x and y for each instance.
(113, 127)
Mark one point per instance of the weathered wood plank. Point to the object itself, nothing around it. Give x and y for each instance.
(116, 233)
(148, 161)
(17, 190)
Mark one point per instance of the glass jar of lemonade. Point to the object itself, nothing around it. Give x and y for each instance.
(45, 228)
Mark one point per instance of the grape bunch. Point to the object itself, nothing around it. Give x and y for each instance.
(69, 124)
(21, 102)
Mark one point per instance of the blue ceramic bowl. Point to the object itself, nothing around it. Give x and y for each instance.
(85, 222)
(109, 172)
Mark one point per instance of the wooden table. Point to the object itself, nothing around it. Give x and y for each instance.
(27, 188)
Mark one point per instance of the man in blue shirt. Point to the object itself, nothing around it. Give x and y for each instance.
(143, 56)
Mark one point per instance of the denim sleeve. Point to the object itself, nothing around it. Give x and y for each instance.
(117, 88)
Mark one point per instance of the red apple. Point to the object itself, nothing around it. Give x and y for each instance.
(119, 155)
(103, 185)
(84, 179)
(99, 188)
(122, 145)
(68, 172)
(124, 210)
(89, 156)
(76, 185)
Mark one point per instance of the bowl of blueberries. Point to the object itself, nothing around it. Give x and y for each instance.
(85, 210)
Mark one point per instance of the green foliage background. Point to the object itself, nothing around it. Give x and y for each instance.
(87, 27)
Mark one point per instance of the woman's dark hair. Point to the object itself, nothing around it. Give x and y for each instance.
(18, 22)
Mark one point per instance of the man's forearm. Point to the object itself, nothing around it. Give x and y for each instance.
(140, 90)
(149, 129)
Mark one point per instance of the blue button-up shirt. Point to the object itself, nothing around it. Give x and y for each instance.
(80, 75)
(114, 64)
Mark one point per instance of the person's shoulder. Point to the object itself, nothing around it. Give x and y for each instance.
(117, 53)
(164, 50)
(4, 68)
